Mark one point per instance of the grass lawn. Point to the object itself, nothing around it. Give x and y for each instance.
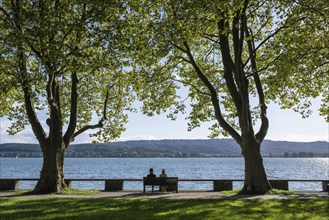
(117, 209)
(67, 191)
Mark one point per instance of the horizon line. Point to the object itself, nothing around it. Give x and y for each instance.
(174, 139)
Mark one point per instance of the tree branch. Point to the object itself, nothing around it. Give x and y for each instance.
(264, 120)
(212, 40)
(270, 36)
(184, 59)
(28, 99)
(73, 111)
(88, 127)
(106, 100)
(178, 47)
(228, 66)
(312, 8)
(193, 86)
(27, 41)
(266, 67)
(235, 35)
(100, 123)
(214, 98)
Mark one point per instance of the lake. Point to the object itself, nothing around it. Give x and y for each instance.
(203, 168)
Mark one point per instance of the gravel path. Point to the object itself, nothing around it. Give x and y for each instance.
(173, 195)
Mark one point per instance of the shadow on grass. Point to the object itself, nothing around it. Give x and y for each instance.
(122, 209)
(22, 193)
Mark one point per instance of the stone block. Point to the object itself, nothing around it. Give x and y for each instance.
(279, 184)
(8, 184)
(222, 185)
(113, 185)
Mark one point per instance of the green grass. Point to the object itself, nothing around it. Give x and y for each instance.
(281, 192)
(271, 192)
(67, 191)
(22, 191)
(123, 209)
(74, 191)
(231, 192)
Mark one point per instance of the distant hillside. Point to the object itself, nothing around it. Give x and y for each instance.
(174, 148)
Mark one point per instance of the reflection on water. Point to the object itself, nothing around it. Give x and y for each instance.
(203, 168)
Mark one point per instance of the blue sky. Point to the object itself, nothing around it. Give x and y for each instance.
(284, 125)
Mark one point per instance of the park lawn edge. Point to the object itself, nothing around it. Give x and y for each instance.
(66, 191)
(140, 208)
(271, 192)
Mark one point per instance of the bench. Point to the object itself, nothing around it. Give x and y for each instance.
(171, 183)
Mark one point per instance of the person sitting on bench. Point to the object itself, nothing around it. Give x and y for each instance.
(151, 174)
(163, 175)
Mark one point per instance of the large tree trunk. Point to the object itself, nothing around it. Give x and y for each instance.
(52, 173)
(255, 181)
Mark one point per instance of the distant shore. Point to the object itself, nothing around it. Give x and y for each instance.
(212, 156)
(208, 148)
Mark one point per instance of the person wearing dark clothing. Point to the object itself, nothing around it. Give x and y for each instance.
(151, 174)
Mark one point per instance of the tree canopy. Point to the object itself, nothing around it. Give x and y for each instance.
(64, 57)
(235, 57)
(299, 68)
(88, 39)
(288, 51)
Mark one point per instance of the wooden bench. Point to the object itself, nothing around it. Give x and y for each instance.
(171, 183)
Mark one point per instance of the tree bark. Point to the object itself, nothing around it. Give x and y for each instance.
(52, 172)
(255, 177)
(255, 181)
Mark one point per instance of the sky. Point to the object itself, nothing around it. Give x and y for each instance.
(285, 125)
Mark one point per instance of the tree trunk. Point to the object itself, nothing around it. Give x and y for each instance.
(52, 173)
(255, 181)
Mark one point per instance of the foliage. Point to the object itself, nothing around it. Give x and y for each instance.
(164, 42)
(62, 59)
(297, 57)
(56, 208)
(282, 51)
(235, 57)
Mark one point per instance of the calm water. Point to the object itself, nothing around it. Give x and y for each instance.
(276, 168)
